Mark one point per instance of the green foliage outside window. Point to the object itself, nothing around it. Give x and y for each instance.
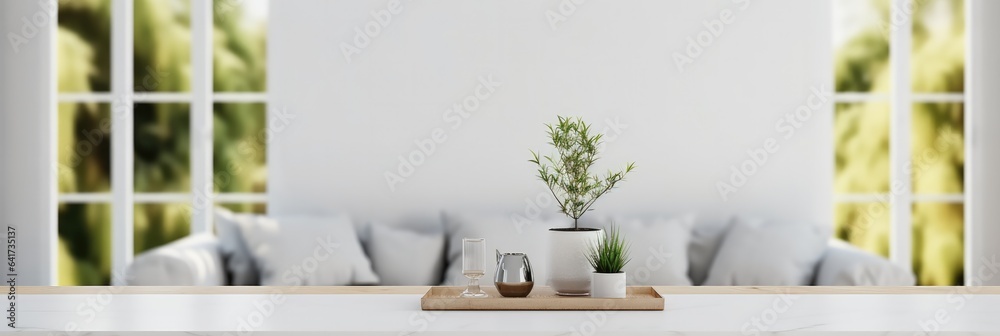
(862, 135)
(162, 39)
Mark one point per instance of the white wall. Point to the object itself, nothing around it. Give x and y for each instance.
(3, 122)
(983, 184)
(608, 61)
(26, 182)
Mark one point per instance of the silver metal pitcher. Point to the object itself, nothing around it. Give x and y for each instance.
(513, 275)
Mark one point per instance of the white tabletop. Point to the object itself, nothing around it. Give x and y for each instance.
(743, 314)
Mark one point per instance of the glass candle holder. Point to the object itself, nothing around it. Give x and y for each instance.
(473, 265)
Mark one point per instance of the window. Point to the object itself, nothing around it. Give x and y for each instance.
(161, 115)
(899, 132)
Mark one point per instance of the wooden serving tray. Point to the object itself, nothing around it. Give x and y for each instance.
(541, 298)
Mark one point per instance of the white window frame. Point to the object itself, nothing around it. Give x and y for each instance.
(122, 98)
(901, 99)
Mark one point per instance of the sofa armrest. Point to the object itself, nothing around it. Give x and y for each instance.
(190, 261)
(846, 265)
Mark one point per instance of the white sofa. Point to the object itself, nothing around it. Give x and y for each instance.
(734, 252)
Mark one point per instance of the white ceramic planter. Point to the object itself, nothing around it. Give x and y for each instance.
(569, 271)
(607, 285)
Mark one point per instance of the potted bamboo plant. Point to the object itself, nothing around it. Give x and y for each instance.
(567, 175)
(608, 257)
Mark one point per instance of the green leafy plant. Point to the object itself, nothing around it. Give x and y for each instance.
(610, 254)
(567, 174)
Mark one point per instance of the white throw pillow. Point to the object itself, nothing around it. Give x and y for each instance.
(503, 232)
(755, 253)
(239, 266)
(846, 265)
(312, 251)
(658, 250)
(403, 257)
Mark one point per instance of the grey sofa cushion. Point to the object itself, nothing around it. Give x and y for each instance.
(190, 261)
(755, 253)
(658, 249)
(706, 238)
(846, 265)
(403, 257)
(308, 250)
(239, 264)
(502, 233)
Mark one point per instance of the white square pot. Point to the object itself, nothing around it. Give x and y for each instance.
(607, 285)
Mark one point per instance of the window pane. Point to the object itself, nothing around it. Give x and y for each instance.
(84, 46)
(865, 225)
(861, 44)
(162, 148)
(938, 148)
(861, 132)
(240, 151)
(240, 40)
(84, 244)
(84, 147)
(938, 59)
(162, 52)
(938, 244)
(256, 208)
(158, 224)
